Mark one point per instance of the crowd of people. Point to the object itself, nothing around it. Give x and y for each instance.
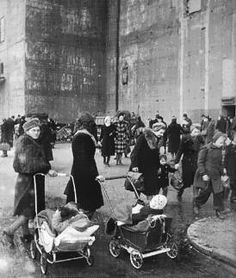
(206, 153)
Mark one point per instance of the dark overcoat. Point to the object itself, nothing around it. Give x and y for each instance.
(145, 156)
(189, 148)
(230, 161)
(163, 174)
(29, 159)
(84, 171)
(107, 140)
(209, 163)
(174, 131)
(7, 131)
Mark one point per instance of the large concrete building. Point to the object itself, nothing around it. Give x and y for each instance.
(66, 56)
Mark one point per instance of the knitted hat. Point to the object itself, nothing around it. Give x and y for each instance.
(158, 202)
(158, 126)
(217, 135)
(34, 122)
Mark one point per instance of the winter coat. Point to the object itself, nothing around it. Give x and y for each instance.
(230, 161)
(174, 131)
(209, 163)
(122, 136)
(84, 171)
(189, 148)
(107, 140)
(29, 159)
(163, 174)
(210, 131)
(45, 141)
(221, 125)
(145, 156)
(7, 132)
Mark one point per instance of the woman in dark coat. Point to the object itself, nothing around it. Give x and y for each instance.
(84, 169)
(29, 160)
(145, 158)
(189, 148)
(108, 132)
(174, 130)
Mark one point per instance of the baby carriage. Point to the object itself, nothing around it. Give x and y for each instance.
(156, 239)
(69, 245)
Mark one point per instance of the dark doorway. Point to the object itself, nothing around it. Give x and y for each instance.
(228, 110)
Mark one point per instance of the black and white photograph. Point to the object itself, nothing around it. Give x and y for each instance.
(117, 138)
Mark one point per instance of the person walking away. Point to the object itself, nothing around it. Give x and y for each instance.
(221, 124)
(210, 131)
(230, 165)
(163, 174)
(189, 148)
(174, 131)
(187, 122)
(6, 136)
(121, 138)
(108, 132)
(137, 129)
(209, 175)
(145, 158)
(29, 159)
(84, 168)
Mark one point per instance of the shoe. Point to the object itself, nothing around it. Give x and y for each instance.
(8, 237)
(196, 210)
(219, 215)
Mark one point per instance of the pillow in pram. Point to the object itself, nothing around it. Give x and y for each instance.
(71, 236)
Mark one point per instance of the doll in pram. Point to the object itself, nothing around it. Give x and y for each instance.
(143, 231)
(62, 235)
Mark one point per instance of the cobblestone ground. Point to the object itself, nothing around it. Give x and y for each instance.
(17, 263)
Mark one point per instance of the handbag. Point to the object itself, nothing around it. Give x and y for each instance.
(4, 147)
(134, 179)
(176, 180)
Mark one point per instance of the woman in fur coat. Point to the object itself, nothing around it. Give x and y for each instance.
(84, 169)
(29, 159)
(145, 157)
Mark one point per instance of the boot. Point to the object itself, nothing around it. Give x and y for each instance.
(27, 237)
(219, 215)
(10, 231)
(108, 160)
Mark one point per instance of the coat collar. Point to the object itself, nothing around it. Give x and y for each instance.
(151, 138)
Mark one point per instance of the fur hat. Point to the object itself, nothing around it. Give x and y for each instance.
(34, 122)
(217, 135)
(158, 202)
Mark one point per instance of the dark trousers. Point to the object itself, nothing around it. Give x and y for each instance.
(203, 195)
(233, 189)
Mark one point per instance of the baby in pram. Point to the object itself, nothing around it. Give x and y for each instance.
(139, 216)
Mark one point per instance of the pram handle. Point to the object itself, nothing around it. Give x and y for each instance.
(115, 177)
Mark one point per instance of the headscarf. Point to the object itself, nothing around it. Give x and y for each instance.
(34, 122)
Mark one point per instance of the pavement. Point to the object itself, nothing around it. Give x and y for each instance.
(215, 238)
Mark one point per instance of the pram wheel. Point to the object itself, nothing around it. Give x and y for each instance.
(88, 256)
(43, 263)
(136, 259)
(173, 253)
(33, 249)
(114, 248)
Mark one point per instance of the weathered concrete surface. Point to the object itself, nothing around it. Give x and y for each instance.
(181, 58)
(12, 55)
(65, 71)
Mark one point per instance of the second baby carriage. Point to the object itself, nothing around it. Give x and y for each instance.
(143, 231)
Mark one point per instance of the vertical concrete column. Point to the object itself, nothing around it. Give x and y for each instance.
(207, 50)
(183, 30)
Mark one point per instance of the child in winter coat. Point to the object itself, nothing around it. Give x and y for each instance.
(163, 174)
(230, 162)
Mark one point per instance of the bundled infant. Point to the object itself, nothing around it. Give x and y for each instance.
(70, 215)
